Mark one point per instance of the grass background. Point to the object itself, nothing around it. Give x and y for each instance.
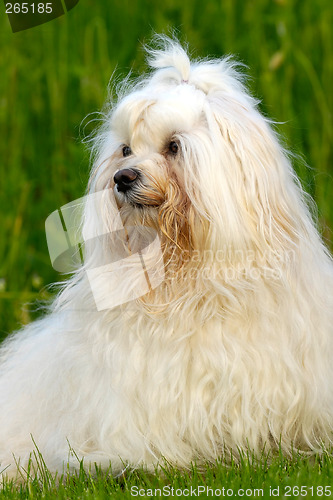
(54, 75)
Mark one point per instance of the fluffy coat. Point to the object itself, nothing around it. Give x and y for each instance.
(233, 349)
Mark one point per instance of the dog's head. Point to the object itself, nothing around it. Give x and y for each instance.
(187, 152)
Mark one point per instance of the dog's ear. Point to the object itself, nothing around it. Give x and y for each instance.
(266, 188)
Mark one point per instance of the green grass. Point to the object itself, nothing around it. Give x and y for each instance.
(255, 478)
(53, 76)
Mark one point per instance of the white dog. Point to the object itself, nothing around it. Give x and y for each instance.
(230, 346)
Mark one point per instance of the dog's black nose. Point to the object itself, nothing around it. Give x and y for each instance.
(124, 178)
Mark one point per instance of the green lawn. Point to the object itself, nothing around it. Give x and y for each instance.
(297, 477)
(53, 80)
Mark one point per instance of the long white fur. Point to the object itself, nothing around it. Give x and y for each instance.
(233, 351)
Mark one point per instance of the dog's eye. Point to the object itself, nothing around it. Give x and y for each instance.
(173, 147)
(126, 151)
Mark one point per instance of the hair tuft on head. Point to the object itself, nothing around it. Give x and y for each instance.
(167, 53)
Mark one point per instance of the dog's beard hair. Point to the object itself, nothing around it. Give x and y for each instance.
(232, 351)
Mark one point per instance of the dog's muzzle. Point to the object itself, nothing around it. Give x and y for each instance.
(125, 179)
